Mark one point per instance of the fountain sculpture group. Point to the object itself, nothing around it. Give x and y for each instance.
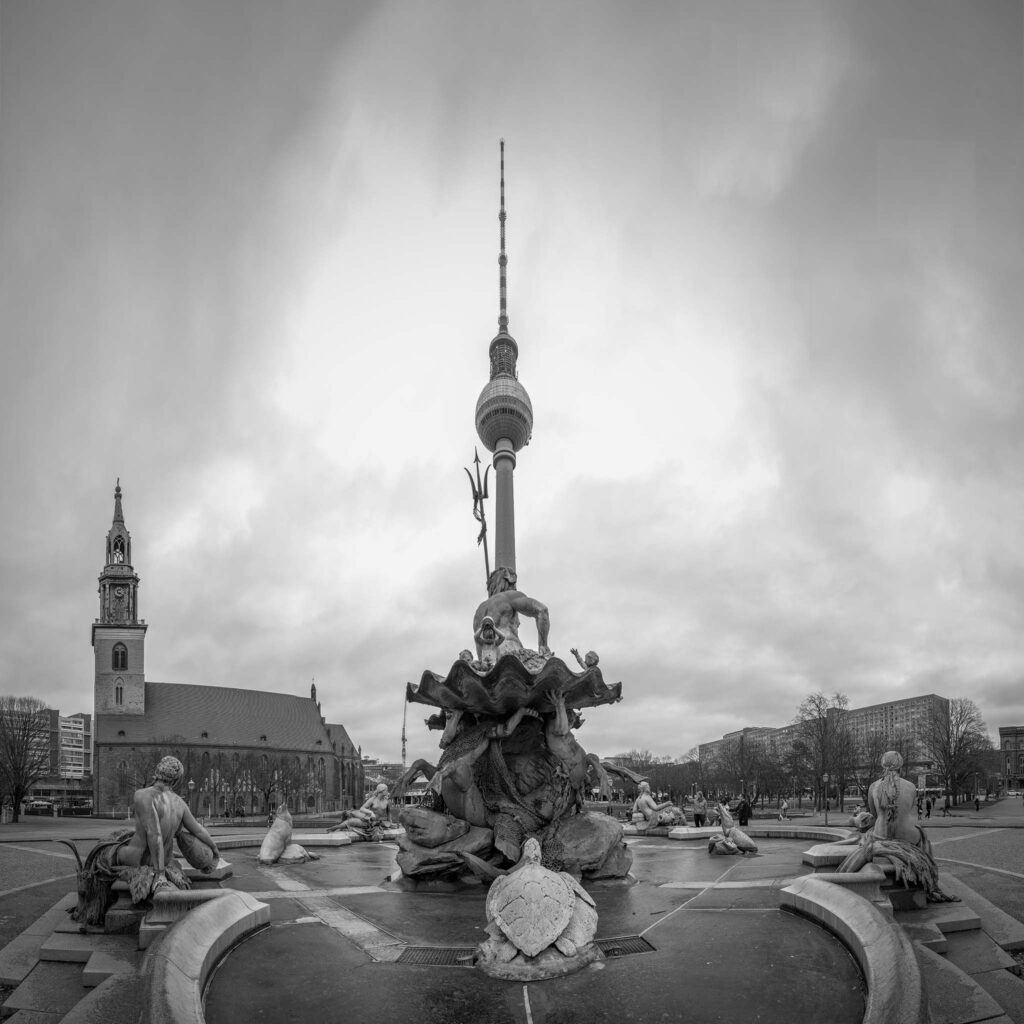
(510, 768)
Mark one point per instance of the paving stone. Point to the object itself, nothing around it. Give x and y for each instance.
(947, 917)
(1007, 990)
(928, 935)
(21, 954)
(953, 997)
(51, 988)
(62, 947)
(118, 1000)
(104, 963)
(1005, 930)
(975, 952)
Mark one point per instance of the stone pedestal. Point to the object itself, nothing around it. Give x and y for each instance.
(124, 917)
(170, 906)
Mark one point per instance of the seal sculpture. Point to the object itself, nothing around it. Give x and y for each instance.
(541, 923)
(277, 845)
(733, 839)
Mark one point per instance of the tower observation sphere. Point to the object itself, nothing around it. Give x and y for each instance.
(503, 409)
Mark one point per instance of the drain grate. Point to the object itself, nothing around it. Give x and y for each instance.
(624, 945)
(438, 956)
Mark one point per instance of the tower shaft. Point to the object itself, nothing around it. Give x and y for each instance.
(504, 507)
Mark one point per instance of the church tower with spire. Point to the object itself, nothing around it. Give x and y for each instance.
(504, 413)
(118, 635)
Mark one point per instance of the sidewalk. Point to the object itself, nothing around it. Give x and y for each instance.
(1007, 812)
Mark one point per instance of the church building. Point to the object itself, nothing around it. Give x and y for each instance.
(244, 751)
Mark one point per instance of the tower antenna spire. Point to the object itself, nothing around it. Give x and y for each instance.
(502, 258)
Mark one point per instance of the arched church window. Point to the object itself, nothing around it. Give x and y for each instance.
(119, 692)
(122, 778)
(120, 658)
(118, 549)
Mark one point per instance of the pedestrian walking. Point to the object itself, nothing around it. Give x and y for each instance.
(977, 804)
(945, 807)
(743, 810)
(784, 809)
(700, 810)
(928, 807)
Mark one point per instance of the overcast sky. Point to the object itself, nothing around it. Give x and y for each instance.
(766, 277)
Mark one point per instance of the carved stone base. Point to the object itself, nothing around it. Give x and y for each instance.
(903, 898)
(170, 906)
(548, 964)
(124, 917)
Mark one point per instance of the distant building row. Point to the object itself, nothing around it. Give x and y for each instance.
(908, 718)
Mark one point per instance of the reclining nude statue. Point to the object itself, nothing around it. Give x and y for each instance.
(366, 821)
(647, 812)
(143, 857)
(895, 835)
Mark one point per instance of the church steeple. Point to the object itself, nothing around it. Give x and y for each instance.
(118, 583)
(119, 540)
(118, 634)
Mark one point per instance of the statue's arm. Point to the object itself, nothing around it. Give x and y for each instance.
(193, 826)
(478, 618)
(533, 609)
(505, 729)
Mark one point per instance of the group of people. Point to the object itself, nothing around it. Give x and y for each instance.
(647, 810)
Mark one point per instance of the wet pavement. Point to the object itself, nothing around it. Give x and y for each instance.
(721, 950)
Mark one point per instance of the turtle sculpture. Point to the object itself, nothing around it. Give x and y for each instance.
(537, 913)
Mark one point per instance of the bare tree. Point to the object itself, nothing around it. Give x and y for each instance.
(262, 772)
(825, 738)
(958, 742)
(24, 747)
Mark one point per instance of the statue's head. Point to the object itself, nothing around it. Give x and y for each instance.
(531, 851)
(465, 655)
(381, 789)
(590, 659)
(501, 579)
(169, 770)
(644, 787)
(892, 761)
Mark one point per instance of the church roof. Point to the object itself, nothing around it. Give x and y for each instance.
(340, 737)
(228, 716)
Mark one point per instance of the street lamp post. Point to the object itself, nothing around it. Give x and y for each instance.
(191, 790)
(824, 779)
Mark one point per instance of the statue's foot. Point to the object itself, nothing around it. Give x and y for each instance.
(938, 896)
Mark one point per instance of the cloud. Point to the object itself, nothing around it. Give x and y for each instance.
(764, 274)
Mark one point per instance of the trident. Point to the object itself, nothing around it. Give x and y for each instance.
(479, 490)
